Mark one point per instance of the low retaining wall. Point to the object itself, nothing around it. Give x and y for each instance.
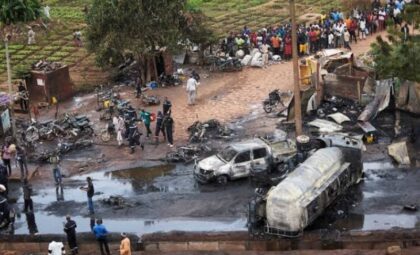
(223, 241)
(241, 241)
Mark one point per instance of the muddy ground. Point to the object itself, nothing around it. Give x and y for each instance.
(158, 197)
(161, 197)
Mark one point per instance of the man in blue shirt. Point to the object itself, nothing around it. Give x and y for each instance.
(101, 236)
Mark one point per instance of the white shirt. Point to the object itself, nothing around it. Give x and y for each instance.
(56, 248)
(47, 11)
(396, 12)
(362, 24)
(192, 84)
(330, 39)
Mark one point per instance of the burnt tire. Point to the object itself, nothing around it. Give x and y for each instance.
(222, 179)
(105, 136)
(268, 108)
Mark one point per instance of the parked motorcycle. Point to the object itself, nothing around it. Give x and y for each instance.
(225, 64)
(150, 100)
(78, 125)
(108, 132)
(169, 80)
(273, 101)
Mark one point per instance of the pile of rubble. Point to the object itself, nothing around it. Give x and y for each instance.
(211, 129)
(46, 66)
(117, 202)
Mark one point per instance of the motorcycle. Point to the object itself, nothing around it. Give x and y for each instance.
(225, 64)
(108, 132)
(169, 80)
(150, 100)
(78, 125)
(273, 101)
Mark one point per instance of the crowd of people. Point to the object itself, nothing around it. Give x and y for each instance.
(331, 30)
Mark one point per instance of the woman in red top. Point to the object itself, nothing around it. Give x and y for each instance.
(288, 47)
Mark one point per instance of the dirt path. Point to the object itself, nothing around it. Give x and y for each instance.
(226, 96)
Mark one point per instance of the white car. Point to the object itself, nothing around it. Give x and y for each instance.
(236, 160)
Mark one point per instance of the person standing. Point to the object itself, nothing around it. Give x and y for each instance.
(27, 200)
(31, 36)
(4, 180)
(166, 106)
(133, 136)
(264, 51)
(56, 248)
(159, 127)
(405, 31)
(101, 236)
(346, 37)
(125, 246)
(7, 154)
(70, 230)
(145, 118)
(23, 97)
(77, 37)
(168, 124)
(21, 160)
(138, 87)
(192, 90)
(275, 41)
(119, 128)
(55, 160)
(90, 191)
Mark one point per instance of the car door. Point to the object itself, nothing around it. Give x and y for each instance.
(259, 159)
(242, 164)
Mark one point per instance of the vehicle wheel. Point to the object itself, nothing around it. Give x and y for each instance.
(268, 108)
(222, 179)
(88, 131)
(105, 136)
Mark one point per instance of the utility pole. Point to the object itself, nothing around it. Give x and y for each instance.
(298, 106)
(9, 81)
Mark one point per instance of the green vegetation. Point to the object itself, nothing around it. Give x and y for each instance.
(396, 57)
(56, 42)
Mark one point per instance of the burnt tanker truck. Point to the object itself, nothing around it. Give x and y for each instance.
(325, 174)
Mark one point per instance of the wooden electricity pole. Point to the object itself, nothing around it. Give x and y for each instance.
(298, 106)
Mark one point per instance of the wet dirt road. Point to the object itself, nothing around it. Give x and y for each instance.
(165, 198)
(160, 197)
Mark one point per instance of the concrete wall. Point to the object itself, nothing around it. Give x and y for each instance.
(222, 242)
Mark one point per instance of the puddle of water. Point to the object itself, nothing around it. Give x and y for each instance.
(376, 222)
(125, 183)
(377, 166)
(135, 226)
(367, 195)
(385, 221)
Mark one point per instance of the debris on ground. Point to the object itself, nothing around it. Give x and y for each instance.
(117, 202)
(46, 66)
(380, 102)
(186, 154)
(211, 129)
(325, 125)
(399, 152)
(410, 207)
(339, 117)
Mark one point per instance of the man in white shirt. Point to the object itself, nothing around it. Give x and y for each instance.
(264, 51)
(192, 90)
(56, 248)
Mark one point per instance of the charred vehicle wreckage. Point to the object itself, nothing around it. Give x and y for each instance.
(238, 159)
(287, 208)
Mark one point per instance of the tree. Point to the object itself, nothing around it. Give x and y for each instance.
(137, 27)
(13, 12)
(397, 58)
(18, 11)
(412, 14)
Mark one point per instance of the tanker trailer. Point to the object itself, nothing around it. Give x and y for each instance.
(288, 208)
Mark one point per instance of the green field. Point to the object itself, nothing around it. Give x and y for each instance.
(56, 42)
